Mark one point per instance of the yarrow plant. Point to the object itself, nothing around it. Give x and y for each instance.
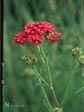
(34, 34)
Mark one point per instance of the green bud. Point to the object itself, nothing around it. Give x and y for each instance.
(30, 59)
(81, 60)
(28, 71)
(57, 110)
(77, 52)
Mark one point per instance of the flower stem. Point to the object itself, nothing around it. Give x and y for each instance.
(46, 98)
(40, 77)
(54, 94)
(51, 87)
(67, 90)
(41, 53)
(42, 88)
(68, 86)
(48, 70)
(49, 74)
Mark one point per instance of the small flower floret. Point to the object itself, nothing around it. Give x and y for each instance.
(53, 36)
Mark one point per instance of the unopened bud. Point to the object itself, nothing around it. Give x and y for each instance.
(28, 71)
(30, 59)
(81, 60)
(58, 110)
(77, 52)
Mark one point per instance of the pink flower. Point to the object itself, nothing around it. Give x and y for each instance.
(20, 37)
(34, 33)
(53, 36)
(38, 27)
(36, 39)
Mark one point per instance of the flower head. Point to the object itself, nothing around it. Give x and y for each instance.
(53, 36)
(38, 28)
(30, 59)
(36, 39)
(20, 37)
(76, 52)
(34, 33)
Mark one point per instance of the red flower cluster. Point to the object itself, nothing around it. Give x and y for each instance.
(38, 27)
(34, 33)
(20, 37)
(36, 30)
(53, 36)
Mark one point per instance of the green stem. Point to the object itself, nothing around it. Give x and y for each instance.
(43, 90)
(41, 53)
(48, 70)
(67, 90)
(54, 94)
(49, 74)
(46, 98)
(69, 85)
(51, 87)
(49, 50)
(40, 77)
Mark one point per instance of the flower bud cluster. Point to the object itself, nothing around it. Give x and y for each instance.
(76, 52)
(30, 59)
(57, 110)
(79, 54)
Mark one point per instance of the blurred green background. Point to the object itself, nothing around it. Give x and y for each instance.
(19, 87)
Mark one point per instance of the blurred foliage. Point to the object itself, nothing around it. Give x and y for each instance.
(68, 17)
